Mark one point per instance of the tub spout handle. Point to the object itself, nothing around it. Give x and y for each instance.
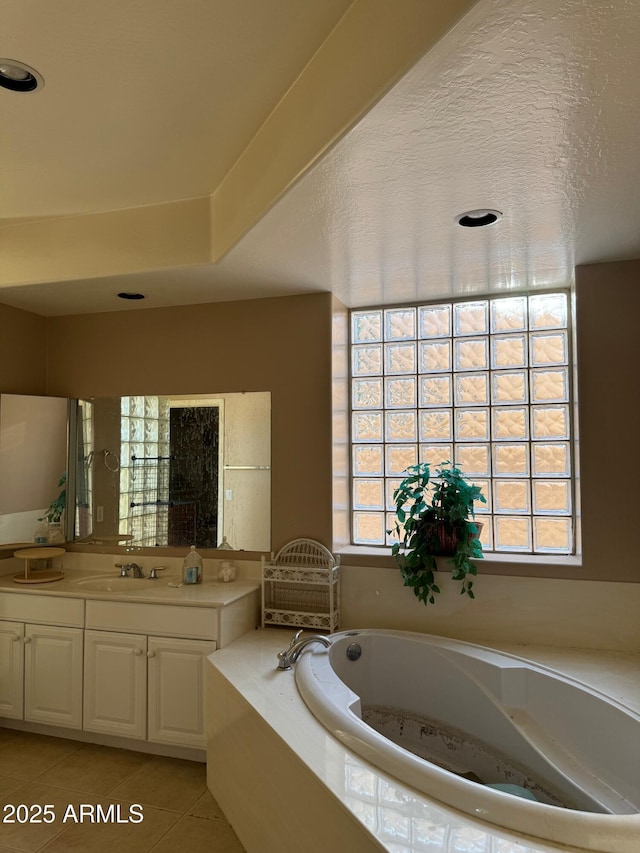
(283, 656)
(295, 639)
(283, 660)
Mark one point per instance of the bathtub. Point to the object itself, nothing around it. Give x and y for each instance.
(498, 737)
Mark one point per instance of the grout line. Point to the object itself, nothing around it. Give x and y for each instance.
(132, 773)
(67, 788)
(164, 835)
(80, 744)
(49, 768)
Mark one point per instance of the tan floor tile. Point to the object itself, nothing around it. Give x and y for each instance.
(32, 836)
(27, 755)
(6, 734)
(9, 784)
(167, 783)
(199, 836)
(207, 807)
(87, 837)
(95, 769)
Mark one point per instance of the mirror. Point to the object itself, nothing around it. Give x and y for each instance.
(174, 471)
(33, 458)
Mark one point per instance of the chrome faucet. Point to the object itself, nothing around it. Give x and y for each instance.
(289, 656)
(125, 568)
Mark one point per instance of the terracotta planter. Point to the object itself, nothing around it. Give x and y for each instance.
(448, 543)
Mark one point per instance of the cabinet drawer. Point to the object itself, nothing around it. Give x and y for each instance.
(43, 609)
(199, 623)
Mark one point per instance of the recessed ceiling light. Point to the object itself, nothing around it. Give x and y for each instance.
(18, 77)
(478, 218)
(125, 295)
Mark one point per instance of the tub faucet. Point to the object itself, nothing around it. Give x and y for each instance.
(289, 656)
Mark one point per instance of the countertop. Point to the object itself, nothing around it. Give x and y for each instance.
(210, 593)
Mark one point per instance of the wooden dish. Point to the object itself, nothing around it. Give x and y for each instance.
(32, 574)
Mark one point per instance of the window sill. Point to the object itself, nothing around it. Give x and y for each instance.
(522, 565)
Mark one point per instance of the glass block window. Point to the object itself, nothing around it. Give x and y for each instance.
(483, 383)
(144, 470)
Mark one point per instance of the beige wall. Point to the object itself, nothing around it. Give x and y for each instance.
(279, 345)
(23, 366)
(608, 312)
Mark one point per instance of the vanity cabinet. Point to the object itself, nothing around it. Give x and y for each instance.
(129, 670)
(145, 687)
(40, 664)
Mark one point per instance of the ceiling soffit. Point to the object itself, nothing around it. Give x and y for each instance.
(371, 47)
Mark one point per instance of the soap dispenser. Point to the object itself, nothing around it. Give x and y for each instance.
(192, 567)
(41, 536)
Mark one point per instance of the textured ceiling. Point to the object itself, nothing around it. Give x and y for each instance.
(532, 108)
(528, 106)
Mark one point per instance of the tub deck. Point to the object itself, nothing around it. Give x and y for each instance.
(286, 784)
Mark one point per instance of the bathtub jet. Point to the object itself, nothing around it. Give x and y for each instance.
(501, 738)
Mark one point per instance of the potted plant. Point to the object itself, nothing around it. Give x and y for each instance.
(435, 517)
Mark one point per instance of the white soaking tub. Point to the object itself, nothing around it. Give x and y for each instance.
(454, 720)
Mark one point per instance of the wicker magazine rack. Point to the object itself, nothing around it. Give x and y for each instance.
(301, 587)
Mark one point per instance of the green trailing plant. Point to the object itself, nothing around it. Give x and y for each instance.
(435, 517)
(57, 505)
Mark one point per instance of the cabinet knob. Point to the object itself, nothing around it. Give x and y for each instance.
(151, 654)
(27, 640)
(15, 638)
(137, 652)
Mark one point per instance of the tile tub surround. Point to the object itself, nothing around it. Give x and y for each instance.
(274, 751)
(556, 612)
(179, 812)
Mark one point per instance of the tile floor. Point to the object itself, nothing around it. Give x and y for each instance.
(179, 813)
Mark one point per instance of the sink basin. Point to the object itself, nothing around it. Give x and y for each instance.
(114, 583)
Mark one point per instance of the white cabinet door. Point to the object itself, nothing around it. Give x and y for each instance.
(176, 690)
(115, 683)
(11, 669)
(53, 675)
